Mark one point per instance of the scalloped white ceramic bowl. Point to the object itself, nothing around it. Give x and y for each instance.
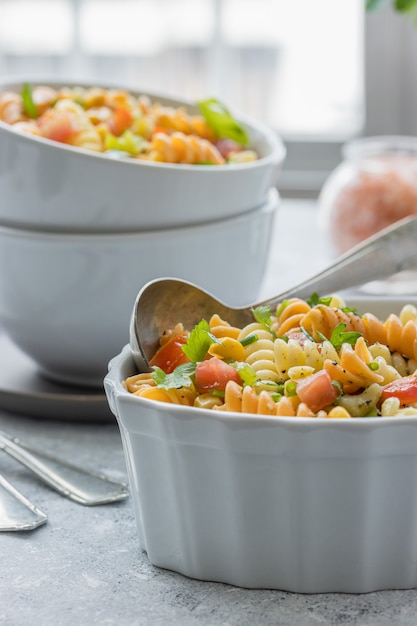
(66, 298)
(297, 504)
(53, 186)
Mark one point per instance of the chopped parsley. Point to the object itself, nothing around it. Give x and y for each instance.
(199, 342)
(315, 299)
(262, 315)
(340, 336)
(180, 377)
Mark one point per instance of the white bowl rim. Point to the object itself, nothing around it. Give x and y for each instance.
(190, 412)
(10, 229)
(277, 148)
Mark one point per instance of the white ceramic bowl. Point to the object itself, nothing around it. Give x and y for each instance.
(296, 504)
(54, 186)
(66, 299)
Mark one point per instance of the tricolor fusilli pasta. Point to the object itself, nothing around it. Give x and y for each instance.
(314, 358)
(119, 123)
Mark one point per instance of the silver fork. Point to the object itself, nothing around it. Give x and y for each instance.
(16, 511)
(71, 481)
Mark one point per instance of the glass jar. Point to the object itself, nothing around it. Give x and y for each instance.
(374, 186)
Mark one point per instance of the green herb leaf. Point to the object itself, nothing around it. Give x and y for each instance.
(339, 336)
(180, 377)
(315, 299)
(28, 103)
(221, 121)
(262, 315)
(199, 342)
(403, 6)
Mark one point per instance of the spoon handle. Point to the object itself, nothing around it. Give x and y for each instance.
(389, 251)
(79, 485)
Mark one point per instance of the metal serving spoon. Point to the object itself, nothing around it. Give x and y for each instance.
(164, 302)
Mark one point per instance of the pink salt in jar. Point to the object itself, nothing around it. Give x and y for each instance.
(374, 186)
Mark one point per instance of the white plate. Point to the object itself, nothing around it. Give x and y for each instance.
(24, 391)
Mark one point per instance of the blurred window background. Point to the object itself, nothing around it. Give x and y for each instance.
(319, 72)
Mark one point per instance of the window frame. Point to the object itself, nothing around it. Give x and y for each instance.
(390, 100)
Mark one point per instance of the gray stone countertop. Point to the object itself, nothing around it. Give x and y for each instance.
(84, 566)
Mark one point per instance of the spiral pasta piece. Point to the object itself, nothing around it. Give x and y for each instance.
(220, 328)
(260, 354)
(354, 371)
(28, 126)
(87, 137)
(245, 400)
(181, 148)
(286, 356)
(179, 120)
(289, 316)
(171, 396)
(43, 98)
(115, 98)
(11, 108)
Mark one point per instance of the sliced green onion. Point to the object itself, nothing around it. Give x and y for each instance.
(249, 339)
(307, 334)
(291, 388)
(28, 103)
(221, 121)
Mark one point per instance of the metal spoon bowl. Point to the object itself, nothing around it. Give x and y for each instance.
(164, 302)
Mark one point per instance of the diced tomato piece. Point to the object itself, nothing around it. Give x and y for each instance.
(214, 374)
(120, 121)
(405, 389)
(169, 356)
(58, 125)
(317, 391)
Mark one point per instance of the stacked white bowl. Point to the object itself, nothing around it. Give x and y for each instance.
(81, 233)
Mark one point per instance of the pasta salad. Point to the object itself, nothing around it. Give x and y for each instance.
(119, 123)
(308, 358)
